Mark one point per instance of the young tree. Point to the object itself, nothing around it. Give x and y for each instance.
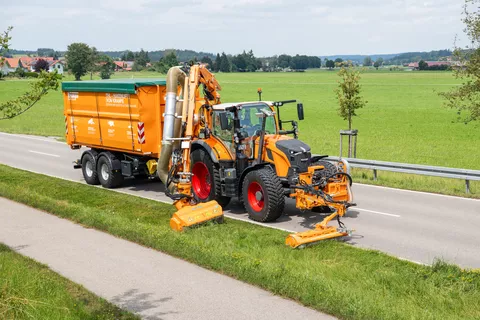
(40, 65)
(466, 98)
(348, 93)
(79, 59)
(4, 43)
(106, 66)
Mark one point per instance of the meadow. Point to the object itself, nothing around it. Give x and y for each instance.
(404, 120)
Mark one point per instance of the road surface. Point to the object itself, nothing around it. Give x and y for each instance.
(416, 226)
(142, 280)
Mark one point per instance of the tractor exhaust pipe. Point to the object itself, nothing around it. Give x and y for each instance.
(171, 125)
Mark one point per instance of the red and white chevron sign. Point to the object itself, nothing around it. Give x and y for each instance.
(141, 132)
(66, 125)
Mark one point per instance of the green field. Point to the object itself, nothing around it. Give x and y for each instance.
(404, 120)
(30, 290)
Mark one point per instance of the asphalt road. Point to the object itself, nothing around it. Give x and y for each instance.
(142, 280)
(415, 226)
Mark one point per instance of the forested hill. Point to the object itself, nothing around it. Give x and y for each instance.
(417, 56)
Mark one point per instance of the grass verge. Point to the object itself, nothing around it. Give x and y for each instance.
(332, 277)
(30, 290)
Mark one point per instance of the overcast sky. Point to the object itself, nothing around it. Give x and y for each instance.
(323, 27)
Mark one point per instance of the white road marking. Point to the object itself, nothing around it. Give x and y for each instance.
(45, 154)
(32, 138)
(413, 191)
(378, 212)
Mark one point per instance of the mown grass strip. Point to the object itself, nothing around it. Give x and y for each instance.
(30, 290)
(332, 277)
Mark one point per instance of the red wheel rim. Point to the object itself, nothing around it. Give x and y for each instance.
(255, 196)
(201, 180)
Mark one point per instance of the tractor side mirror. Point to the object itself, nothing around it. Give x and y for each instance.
(224, 121)
(300, 111)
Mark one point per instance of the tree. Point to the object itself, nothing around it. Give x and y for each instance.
(127, 56)
(141, 59)
(284, 61)
(367, 62)
(4, 44)
(166, 62)
(225, 65)
(466, 98)
(206, 60)
(40, 65)
(330, 64)
(422, 65)
(348, 94)
(38, 89)
(79, 59)
(378, 63)
(45, 52)
(218, 61)
(106, 66)
(338, 60)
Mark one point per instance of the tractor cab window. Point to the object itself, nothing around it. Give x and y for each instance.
(250, 123)
(225, 135)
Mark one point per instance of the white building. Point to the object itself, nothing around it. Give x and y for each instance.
(55, 65)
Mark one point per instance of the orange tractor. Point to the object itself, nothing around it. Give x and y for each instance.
(209, 152)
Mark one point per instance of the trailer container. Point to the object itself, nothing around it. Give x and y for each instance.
(119, 120)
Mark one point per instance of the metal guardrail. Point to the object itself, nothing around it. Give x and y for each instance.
(464, 174)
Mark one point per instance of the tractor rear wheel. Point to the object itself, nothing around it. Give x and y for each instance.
(206, 179)
(262, 195)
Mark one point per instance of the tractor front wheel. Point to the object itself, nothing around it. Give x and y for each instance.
(206, 179)
(262, 195)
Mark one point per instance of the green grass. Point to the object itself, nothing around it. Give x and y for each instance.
(30, 290)
(404, 120)
(332, 277)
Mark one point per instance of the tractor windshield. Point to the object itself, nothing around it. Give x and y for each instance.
(250, 123)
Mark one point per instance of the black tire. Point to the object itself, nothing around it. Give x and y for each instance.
(267, 203)
(106, 175)
(89, 169)
(200, 191)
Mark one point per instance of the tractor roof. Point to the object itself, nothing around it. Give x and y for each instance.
(223, 106)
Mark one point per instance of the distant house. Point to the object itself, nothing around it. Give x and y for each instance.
(123, 65)
(414, 65)
(10, 65)
(55, 65)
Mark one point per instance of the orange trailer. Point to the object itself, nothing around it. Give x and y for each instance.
(117, 117)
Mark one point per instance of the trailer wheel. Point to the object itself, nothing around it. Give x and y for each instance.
(206, 179)
(106, 175)
(89, 169)
(262, 195)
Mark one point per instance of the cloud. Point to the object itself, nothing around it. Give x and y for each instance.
(266, 26)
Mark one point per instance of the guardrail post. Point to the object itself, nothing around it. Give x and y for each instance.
(467, 186)
(375, 174)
